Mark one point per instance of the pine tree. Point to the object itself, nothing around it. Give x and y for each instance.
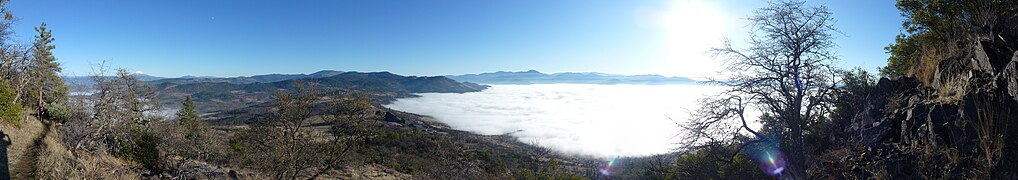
(187, 114)
(197, 145)
(48, 85)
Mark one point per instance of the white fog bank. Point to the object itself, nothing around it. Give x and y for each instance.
(598, 120)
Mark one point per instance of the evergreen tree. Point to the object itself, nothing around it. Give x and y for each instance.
(197, 145)
(187, 114)
(10, 111)
(48, 85)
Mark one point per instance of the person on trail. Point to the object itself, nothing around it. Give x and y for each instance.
(5, 142)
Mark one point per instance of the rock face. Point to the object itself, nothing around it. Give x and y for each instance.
(389, 117)
(962, 123)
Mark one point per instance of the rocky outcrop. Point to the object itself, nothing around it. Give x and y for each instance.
(389, 117)
(962, 123)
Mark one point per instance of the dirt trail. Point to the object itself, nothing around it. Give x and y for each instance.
(26, 168)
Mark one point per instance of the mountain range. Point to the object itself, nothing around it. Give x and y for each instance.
(535, 77)
(500, 77)
(268, 78)
(229, 93)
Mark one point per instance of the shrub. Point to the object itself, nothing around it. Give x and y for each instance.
(142, 147)
(10, 111)
(716, 161)
(57, 112)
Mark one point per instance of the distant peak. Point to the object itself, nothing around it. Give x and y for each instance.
(532, 71)
(326, 71)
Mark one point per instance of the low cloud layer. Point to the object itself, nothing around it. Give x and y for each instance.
(598, 120)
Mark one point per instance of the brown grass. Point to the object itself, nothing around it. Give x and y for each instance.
(56, 162)
(21, 139)
(926, 68)
(34, 156)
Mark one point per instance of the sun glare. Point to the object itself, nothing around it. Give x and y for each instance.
(690, 28)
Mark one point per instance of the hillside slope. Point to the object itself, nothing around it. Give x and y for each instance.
(268, 78)
(214, 96)
(962, 122)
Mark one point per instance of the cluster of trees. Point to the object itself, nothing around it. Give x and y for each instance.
(120, 117)
(29, 73)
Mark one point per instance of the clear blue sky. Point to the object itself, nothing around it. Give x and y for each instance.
(434, 37)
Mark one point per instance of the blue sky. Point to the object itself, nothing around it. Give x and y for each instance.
(435, 37)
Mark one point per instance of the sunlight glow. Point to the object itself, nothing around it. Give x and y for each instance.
(690, 28)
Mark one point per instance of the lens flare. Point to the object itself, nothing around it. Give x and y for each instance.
(773, 162)
(776, 164)
(767, 153)
(606, 170)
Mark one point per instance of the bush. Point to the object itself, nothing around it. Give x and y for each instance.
(10, 111)
(57, 112)
(142, 147)
(715, 161)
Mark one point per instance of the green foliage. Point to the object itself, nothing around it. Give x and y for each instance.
(856, 84)
(904, 52)
(189, 118)
(58, 112)
(10, 110)
(46, 68)
(187, 113)
(141, 146)
(716, 162)
(939, 25)
(237, 146)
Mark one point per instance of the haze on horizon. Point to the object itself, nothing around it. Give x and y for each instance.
(244, 38)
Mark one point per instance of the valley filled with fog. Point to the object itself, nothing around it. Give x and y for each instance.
(597, 120)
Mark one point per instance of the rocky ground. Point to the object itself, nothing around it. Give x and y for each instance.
(958, 121)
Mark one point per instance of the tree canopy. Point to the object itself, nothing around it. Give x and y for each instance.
(786, 73)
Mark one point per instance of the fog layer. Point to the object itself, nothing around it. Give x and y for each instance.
(597, 120)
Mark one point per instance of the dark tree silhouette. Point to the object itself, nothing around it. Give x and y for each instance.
(786, 73)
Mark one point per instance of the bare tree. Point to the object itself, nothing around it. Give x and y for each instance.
(349, 114)
(290, 147)
(17, 69)
(786, 73)
(119, 104)
(103, 106)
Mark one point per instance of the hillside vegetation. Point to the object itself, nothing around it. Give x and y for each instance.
(326, 125)
(944, 107)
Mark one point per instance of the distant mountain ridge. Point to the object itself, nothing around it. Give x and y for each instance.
(535, 77)
(268, 78)
(88, 79)
(223, 95)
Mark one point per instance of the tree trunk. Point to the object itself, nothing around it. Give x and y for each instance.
(796, 167)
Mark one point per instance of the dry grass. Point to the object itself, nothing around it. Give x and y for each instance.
(371, 171)
(48, 158)
(926, 68)
(21, 139)
(57, 162)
